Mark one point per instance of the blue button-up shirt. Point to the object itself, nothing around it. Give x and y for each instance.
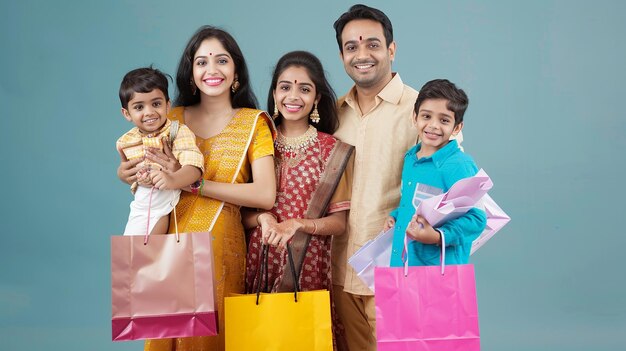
(432, 176)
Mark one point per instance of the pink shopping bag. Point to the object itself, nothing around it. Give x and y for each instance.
(162, 287)
(427, 308)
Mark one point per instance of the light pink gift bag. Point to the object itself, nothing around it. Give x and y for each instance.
(162, 286)
(426, 308)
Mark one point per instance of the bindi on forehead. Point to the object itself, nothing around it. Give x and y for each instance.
(360, 38)
(210, 54)
(295, 81)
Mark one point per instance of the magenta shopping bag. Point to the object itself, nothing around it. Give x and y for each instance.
(162, 287)
(426, 308)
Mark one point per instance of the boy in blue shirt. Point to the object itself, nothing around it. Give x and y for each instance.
(430, 168)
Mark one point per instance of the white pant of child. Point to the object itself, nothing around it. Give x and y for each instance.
(162, 203)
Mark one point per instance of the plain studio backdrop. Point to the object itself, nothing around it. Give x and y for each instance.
(545, 82)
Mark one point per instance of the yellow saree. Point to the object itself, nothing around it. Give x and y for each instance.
(227, 159)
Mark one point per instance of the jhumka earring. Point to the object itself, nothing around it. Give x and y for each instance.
(194, 89)
(235, 86)
(275, 115)
(315, 116)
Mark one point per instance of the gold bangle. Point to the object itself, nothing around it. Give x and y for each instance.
(314, 227)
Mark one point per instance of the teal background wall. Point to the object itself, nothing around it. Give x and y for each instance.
(546, 120)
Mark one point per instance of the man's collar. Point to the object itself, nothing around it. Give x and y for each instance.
(391, 93)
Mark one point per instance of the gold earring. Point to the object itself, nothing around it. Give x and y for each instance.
(275, 115)
(194, 89)
(235, 86)
(315, 116)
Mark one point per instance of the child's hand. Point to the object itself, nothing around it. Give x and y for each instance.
(143, 177)
(420, 230)
(389, 222)
(163, 180)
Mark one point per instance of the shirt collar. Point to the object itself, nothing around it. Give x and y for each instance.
(161, 130)
(392, 92)
(440, 156)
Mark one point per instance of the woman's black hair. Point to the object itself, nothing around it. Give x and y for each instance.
(243, 97)
(326, 105)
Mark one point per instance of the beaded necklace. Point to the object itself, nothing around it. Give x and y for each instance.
(290, 146)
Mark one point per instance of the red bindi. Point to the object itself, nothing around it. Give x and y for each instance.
(360, 37)
(295, 81)
(210, 54)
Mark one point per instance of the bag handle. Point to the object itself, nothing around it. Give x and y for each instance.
(296, 279)
(263, 267)
(405, 253)
(173, 132)
(263, 271)
(145, 237)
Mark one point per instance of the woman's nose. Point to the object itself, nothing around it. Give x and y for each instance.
(293, 93)
(211, 67)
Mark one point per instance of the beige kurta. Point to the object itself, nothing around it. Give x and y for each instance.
(381, 138)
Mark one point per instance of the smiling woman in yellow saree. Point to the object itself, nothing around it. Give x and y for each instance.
(215, 101)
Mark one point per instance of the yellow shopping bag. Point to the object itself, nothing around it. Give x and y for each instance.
(279, 321)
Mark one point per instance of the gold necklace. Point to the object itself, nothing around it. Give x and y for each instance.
(292, 145)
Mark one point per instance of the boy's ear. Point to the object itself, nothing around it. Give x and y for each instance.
(126, 114)
(167, 107)
(414, 119)
(457, 129)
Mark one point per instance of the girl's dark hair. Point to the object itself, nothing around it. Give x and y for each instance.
(326, 106)
(243, 97)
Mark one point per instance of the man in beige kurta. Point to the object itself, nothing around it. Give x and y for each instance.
(375, 117)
